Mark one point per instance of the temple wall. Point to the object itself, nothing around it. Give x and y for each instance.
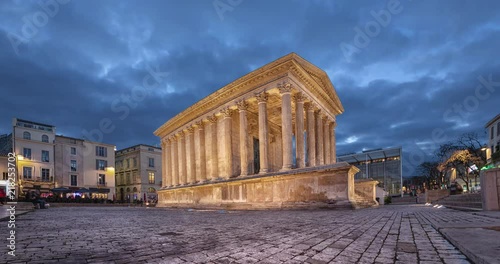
(327, 186)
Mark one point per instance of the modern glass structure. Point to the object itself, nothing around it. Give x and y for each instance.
(383, 165)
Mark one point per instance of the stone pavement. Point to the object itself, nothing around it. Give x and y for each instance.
(390, 234)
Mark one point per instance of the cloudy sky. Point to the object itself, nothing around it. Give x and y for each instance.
(411, 73)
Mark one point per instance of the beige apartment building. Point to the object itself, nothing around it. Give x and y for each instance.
(138, 173)
(46, 161)
(33, 144)
(83, 165)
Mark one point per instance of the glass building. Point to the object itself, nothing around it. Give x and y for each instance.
(383, 165)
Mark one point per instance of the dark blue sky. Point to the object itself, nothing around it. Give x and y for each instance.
(409, 73)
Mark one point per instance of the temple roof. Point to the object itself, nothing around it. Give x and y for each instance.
(313, 78)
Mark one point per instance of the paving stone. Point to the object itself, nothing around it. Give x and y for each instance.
(158, 235)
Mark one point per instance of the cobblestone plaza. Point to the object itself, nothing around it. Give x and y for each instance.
(390, 234)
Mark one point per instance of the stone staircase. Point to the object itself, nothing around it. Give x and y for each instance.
(467, 201)
(361, 201)
(405, 200)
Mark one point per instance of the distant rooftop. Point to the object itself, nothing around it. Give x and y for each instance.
(138, 145)
(492, 121)
(371, 155)
(31, 122)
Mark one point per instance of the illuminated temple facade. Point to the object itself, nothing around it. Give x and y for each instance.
(266, 140)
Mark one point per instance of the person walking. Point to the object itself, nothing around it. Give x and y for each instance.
(2, 195)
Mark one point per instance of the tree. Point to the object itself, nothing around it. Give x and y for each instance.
(463, 162)
(429, 169)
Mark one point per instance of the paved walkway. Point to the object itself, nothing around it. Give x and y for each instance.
(390, 234)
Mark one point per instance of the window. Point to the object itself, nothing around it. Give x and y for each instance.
(101, 151)
(45, 175)
(45, 156)
(492, 132)
(151, 162)
(128, 163)
(27, 135)
(45, 138)
(27, 153)
(27, 172)
(498, 129)
(135, 162)
(73, 165)
(152, 177)
(5, 176)
(101, 164)
(73, 151)
(74, 180)
(134, 177)
(151, 149)
(101, 180)
(128, 177)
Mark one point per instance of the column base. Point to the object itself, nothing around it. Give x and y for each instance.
(285, 169)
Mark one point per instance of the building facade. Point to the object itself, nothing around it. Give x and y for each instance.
(272, 130)
(85, 165)
(493, 131)
(46, 161)
(33, 144)
(382, 165)
(138, 173)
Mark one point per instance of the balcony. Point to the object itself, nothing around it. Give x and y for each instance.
(102, 184)
(37, 178)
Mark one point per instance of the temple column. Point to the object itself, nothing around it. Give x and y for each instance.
(333, 142)
(299, 131)
(227, 151)
(311, 134)
(175, 161)
(243, 107)
(326, 134)
(163, 161)
(190, 162)
(286, 125)
(167, 165)
(320, 159)
(182, 158)
(201, 172)
(212, 147)
(263, 133)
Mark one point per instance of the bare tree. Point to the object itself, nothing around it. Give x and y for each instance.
(429, 170)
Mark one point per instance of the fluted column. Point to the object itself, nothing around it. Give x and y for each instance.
(286, 125)
(182, 158)
(175, 161)
(227, 147)
(212, 147)
(263, 132)
(201, 172)
(242, 108)
(311, 136)
(299, 131)
(167, 178)
(319, 139)
(164, 163)
(190, 162)
(333, 142)
(326, 134)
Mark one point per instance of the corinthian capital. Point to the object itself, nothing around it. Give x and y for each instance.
(285, 87)
(242, 105)
(261, 97)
